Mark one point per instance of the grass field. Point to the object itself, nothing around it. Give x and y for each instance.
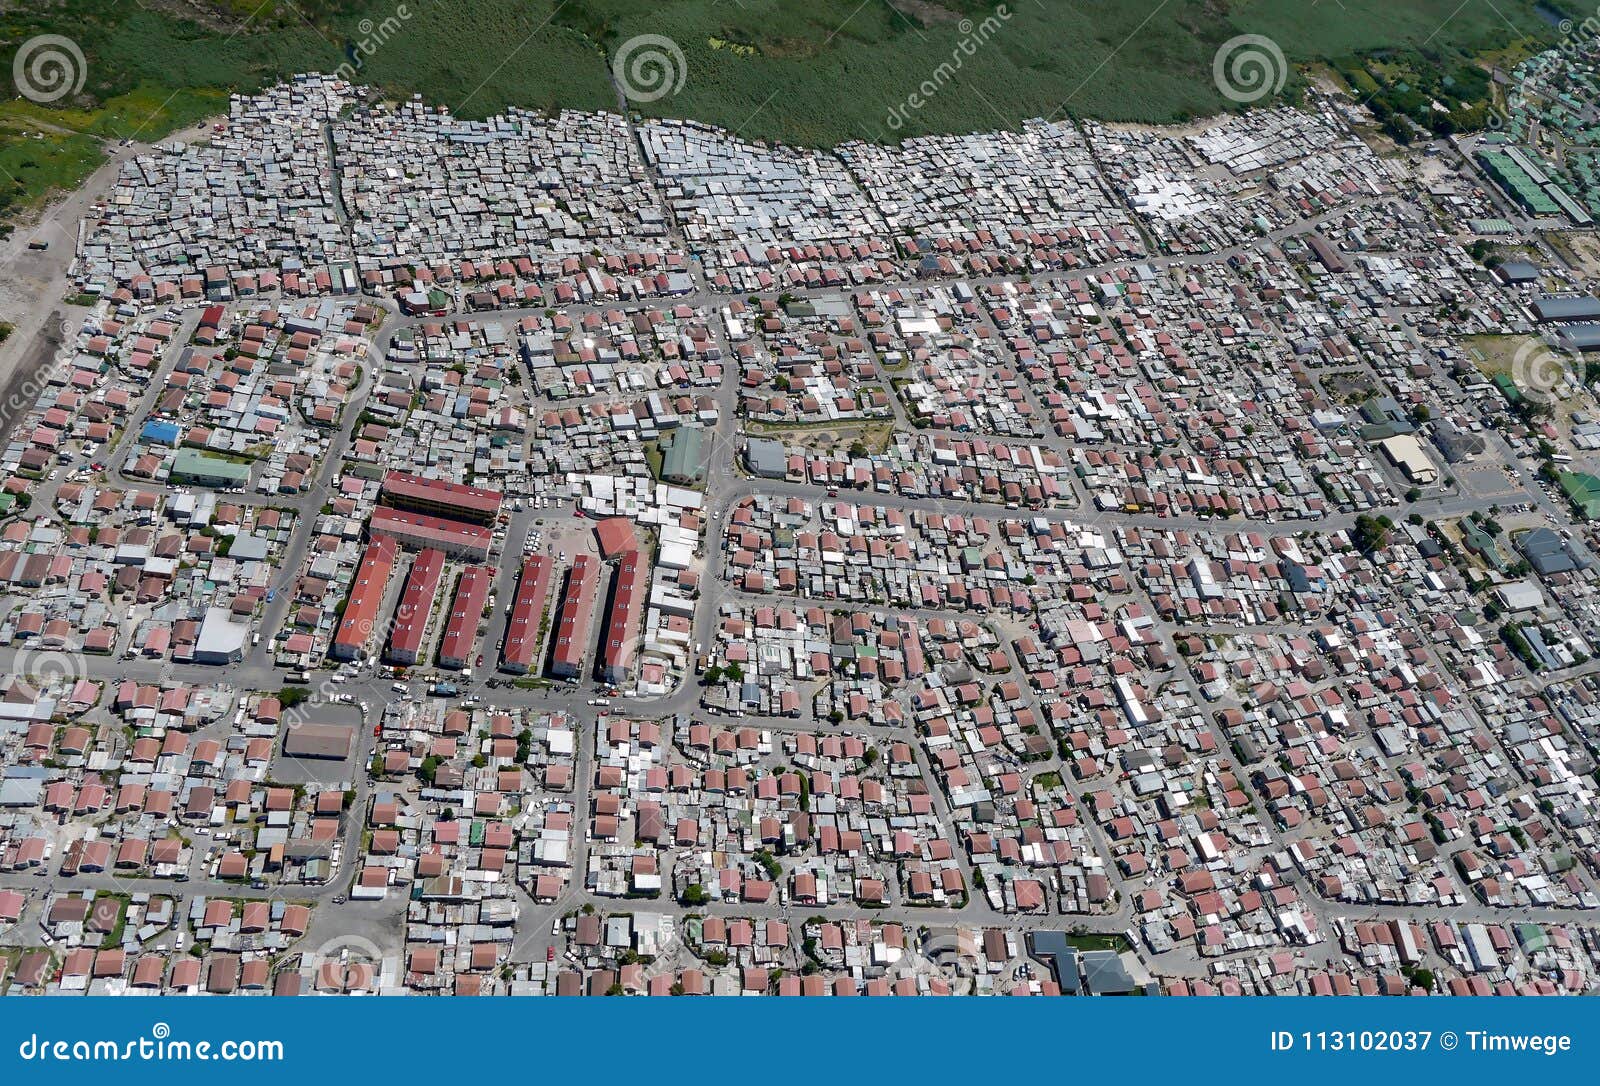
(826, 70)
(816, 72)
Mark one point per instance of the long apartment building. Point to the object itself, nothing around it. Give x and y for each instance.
(439, 498)
(522, 632)
(622, 621)
(361, 610)
(574, 620)
(416, 604)
(461, 628)
(468, 542)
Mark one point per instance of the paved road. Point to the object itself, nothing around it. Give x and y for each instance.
(725, 487)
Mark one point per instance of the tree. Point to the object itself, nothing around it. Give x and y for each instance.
(1371, 534)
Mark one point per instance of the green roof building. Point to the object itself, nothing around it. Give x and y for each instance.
(1583, 491)
(193, 466)
(680, 456)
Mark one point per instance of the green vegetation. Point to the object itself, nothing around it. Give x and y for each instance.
(770, 862)
(839, 66)
(1512, 634)
(654, 457)
(1422, 978)
(146, 73)
(1092, 940)
(813, 73)
(1372, 534)
(1403, 87)
(35, 164)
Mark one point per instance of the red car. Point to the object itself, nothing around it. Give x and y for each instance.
(549, 953)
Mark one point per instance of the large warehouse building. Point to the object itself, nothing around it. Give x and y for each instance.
(192, 466)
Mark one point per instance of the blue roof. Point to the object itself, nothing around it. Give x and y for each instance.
(160, 433)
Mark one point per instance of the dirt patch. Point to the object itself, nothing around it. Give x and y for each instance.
(40, 353)
(1349, 388)
(1527, 359)
(1582, 251)
(211, 16)
(925, 13)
